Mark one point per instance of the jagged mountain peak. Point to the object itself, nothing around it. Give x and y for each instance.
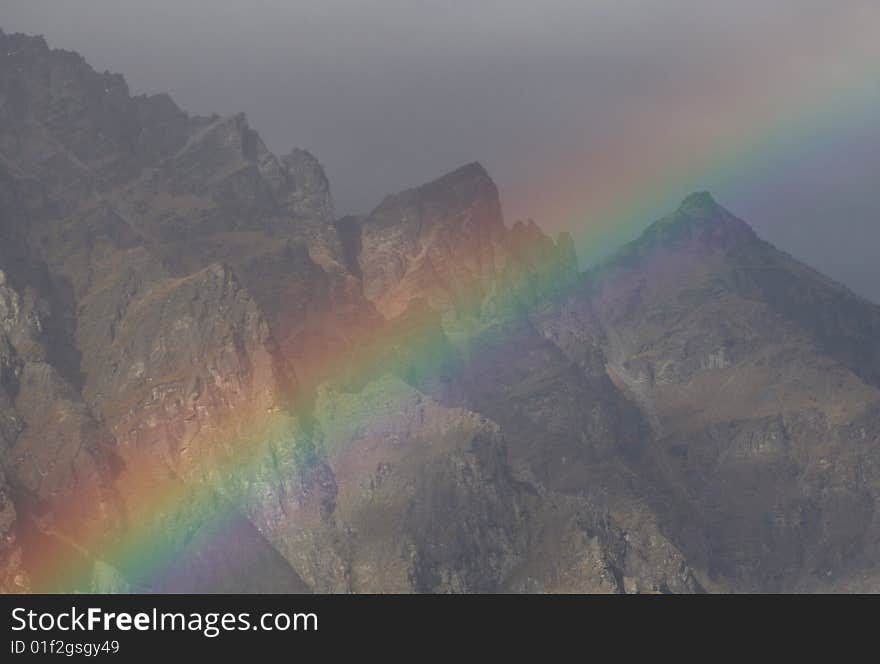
(20, 40)
(702, 201)
(468, 180)
(701, 208)
(465, 186)
(301, 156)
(309, 186)
(435, 241)
(470, 171)
(699, 224)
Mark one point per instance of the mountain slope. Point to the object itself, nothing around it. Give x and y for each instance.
(758, 377)
(209, 384)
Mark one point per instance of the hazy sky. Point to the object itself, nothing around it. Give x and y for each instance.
(587, 113)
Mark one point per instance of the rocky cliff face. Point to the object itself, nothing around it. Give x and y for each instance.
(728, 346)
(442, 242)
(127, 354)
(209, 384)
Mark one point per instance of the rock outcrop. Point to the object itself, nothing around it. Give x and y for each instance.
(442, 242)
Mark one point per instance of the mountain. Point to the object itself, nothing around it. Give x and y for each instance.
(758, 376)
(209, 383)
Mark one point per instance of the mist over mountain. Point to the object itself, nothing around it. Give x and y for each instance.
(210, 381)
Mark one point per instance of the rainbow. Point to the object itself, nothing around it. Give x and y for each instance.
(207, 488)
(605, 201)
(728, 140)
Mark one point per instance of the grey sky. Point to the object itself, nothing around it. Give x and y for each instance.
(550, 95)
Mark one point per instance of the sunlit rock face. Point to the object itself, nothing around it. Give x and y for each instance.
(209, 383)
(443, 241)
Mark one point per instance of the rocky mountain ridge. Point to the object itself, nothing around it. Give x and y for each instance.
(208, 383)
